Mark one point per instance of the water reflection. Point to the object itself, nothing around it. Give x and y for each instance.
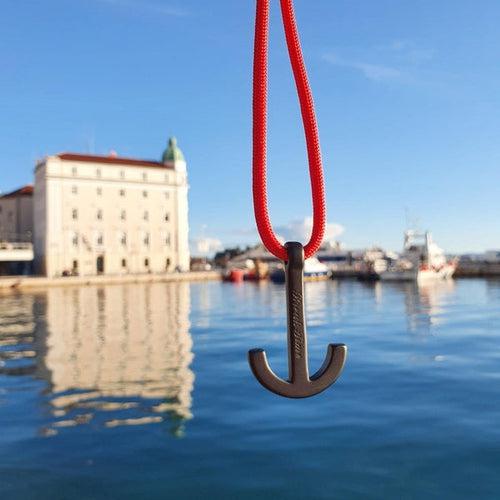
(424, 303)
(16, 335)
(113, 356)
(120, 355)
(493, 287)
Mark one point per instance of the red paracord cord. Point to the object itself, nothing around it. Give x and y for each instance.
(260, 130)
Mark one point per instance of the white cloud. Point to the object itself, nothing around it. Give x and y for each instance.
(377, 72)
(374, 72)
(401, 60)
(204, 247)
(300, 230)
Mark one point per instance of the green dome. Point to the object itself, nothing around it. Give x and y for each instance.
(173, 152)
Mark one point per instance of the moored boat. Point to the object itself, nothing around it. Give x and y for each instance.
(422, 261)
(314, 270)
(234, 275)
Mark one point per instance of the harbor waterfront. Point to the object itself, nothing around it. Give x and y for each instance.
(17, 283)
(249, 250)
(143, 391)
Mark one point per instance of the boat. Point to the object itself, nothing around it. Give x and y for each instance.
(314, 270)
(256, 270)
(421, 261)
(234, 275)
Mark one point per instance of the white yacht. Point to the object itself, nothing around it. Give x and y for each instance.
(422, 260)
(314, 270)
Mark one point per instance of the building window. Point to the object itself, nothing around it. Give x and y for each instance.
(122, 192)
(74, 189)
(123, 215)
(146, 262)
(166, 178)
(74, 171)
(167, 264)
(98, 172)
(167, 217)
(167, 240)
(74, 214)
(99, 191)
(167, 195)
(75, 239)
(146, 215)
(10, 216)
(123, 239)
(99, 264)
(99, 214)
(100, 239)
(146, 239)
(144, 194)
(122, 174)
(75, 266)
(124, 263)
(144, 176)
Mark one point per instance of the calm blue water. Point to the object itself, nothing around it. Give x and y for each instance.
(143, 391)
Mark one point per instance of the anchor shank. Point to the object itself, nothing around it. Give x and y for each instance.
(297, 339)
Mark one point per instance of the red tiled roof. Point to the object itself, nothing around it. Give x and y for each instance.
(114, 160)
(22, 191)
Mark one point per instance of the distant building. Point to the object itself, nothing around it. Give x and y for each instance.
(111, 215)
(492, 256)
(16, 215)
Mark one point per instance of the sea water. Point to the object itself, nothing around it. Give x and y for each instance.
(143, 391)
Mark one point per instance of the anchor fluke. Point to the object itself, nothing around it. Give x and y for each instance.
(262, 371)
(331, 368)
(299, 383)
(303, 388)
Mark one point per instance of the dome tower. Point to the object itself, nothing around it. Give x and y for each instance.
(173, 156)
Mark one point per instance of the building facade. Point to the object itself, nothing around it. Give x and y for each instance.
(111, 215)
(16, 215)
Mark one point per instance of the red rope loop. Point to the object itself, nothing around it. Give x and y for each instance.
(260, 130)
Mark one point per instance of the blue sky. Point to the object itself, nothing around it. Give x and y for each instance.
(407, 96)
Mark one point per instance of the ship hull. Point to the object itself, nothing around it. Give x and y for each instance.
(421, 275)
(444, 273)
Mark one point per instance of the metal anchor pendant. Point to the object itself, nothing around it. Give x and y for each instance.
(299, 383)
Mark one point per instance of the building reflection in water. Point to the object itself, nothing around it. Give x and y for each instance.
(113, 356)
(424, 303)
(17, 325)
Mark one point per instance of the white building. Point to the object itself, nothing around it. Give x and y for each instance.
(111, 215)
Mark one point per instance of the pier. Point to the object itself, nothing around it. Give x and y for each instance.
(16, 251)
(16, 256)
(477, 269)
(19, 283)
